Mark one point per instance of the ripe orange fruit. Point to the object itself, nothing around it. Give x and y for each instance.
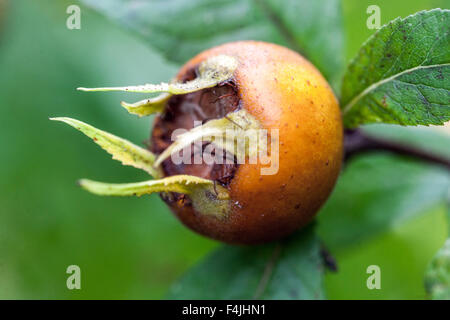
(281, 90)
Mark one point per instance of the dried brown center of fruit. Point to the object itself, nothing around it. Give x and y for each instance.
(183, 112)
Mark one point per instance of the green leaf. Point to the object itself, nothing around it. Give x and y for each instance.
(180, 29)
(376, 192)
(437, 276)
(121, 149)
(292, 269)
(401, 74)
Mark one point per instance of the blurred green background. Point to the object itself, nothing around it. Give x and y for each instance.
(127, 247)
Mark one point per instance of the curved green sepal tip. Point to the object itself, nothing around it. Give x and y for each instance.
(147, 107)
(211, 72)
(437, 276)
(207, 197)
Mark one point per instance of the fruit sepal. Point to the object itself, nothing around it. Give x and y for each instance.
(207, 197)
(211, 72)
(121, 149)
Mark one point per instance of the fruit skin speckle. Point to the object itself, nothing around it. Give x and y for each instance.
(302, 106)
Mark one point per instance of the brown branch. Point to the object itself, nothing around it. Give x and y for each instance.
(357, 142)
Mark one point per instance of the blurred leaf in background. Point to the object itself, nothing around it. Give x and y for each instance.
(288, 269)
(180, 29)
(134, 248)
(126, 248)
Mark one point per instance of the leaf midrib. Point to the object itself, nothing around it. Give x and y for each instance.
(375, 85)
(279, 24)
(268, 271)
